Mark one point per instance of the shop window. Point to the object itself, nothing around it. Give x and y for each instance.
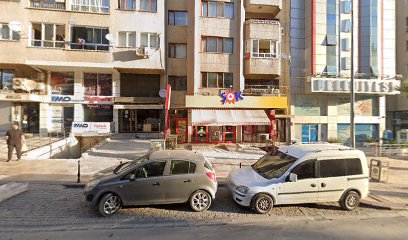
(177, 50)
(89, 38)
(216, 80)
(178, 83)
(7, 34)
(97, 84)
(178, 18)
(148, 5)
(47, 35)
(127, 39)
(217, 45)
(150, 40)
(127, 4)
(217, 9)
(94, 6)
(139, 85)
(6, 77)
(98, 113)
(62, 83)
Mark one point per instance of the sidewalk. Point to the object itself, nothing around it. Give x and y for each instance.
(225, 158)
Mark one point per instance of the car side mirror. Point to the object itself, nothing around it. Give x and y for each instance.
(293, 177)
(132, 177)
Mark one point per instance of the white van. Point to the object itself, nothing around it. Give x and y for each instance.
(302, 173)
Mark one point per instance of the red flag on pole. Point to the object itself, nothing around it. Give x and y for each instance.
(167, 108)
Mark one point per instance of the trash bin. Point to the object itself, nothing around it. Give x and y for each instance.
(171, 142)
(379, 170)
(157, 144)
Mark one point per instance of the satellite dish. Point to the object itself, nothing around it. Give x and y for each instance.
(110, 37)
(15, 26)
(163, 93)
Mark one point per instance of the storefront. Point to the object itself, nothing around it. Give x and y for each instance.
(139, 118)
(27, 115)
(178, 124)
(98, 113)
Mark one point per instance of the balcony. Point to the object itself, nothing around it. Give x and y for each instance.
(265, 90)
(264, 6)
(262, 66)
(262, 29)
(48, 4)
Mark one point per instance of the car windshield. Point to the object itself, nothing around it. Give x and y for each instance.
(273, 165)
(128, 165)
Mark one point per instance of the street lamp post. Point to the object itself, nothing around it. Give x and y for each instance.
(352, 87)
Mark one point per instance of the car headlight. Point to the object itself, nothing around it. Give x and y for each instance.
(242, 189)
(89, 186)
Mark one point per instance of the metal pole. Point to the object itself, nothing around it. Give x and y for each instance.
(352, 87)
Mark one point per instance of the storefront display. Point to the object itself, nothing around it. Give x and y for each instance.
(98, 113)
(62, 83)
(140, 120)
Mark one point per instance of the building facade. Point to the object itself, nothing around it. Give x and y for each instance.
(397, 106)
(321, 63)
(67, 61)
(225, 65)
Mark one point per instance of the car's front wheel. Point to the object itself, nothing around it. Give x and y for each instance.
(109, 204)
(262, 203)
(350, 201)
(200, 201)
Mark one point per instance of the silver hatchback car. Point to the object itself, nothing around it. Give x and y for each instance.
(163, 177)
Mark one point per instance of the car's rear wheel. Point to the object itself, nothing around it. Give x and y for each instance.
(262, 203)
(200, 201)
(350, 201)
(109, 204)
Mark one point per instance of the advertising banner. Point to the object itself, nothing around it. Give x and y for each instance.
(91, 128)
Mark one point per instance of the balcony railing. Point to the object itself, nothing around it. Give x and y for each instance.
(90, 46)
(265, 90)
(47, 4)
(90, 8)
(49, 44)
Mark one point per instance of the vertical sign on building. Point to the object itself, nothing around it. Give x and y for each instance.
(166, 109)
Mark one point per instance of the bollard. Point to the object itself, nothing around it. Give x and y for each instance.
(240, 165)
(79, 172)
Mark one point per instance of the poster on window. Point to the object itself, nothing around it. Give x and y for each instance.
(56, 119)
(62, 83)
(364, 106)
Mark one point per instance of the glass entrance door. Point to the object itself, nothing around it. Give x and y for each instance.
(127, 120)
(310, 133)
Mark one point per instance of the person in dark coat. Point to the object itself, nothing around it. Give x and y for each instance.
(15, 139)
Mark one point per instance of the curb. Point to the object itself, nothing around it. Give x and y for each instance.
(12, 189)
(385, 205)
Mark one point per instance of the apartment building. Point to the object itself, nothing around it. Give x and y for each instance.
(225, 66)
(84, 61)
(397, 106)
(321, 63)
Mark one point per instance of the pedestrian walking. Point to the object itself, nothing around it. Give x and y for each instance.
(15, 139)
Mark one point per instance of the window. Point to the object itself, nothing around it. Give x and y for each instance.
(178, 83)
(217, 9)
(347, 7)
(47, 35)
(94, 6)
(62, 83)
(127, 39)
(346, 25)
(127, 4)
(7, 34)
(51, 4)
(149, 40)
(353, 166)
(216, 80)
(264, 48)
(332, 168)
(154, 169)
(217, 45)
(305, 170)
(182, 167)
(97, 84)
(89, 38)
(148, 5)
(178, 18)
(177, 50)
(6, 77)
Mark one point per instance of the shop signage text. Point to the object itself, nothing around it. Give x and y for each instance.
(82, 99)
(66, 99)
(372, 86)
(231, 96)
(98, 99)
(91, 128)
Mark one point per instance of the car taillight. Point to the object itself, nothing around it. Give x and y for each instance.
(212, 176)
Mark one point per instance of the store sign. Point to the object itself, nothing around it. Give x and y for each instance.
(92, 99)
(89, 128)
(67, 99)
(231, 97)
(371, 86)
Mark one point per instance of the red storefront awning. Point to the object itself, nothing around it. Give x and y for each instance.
(210, 117)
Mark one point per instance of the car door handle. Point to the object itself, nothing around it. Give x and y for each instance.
(187, 181)
(323, 184)
(156, 184)
(313, 185)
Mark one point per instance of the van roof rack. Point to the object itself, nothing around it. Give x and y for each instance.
(331, 149)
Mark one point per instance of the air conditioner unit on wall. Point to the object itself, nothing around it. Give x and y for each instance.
(24, 84)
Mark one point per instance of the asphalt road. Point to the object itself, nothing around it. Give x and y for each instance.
(348, 228)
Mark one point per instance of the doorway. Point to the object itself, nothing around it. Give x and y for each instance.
(310, 133)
